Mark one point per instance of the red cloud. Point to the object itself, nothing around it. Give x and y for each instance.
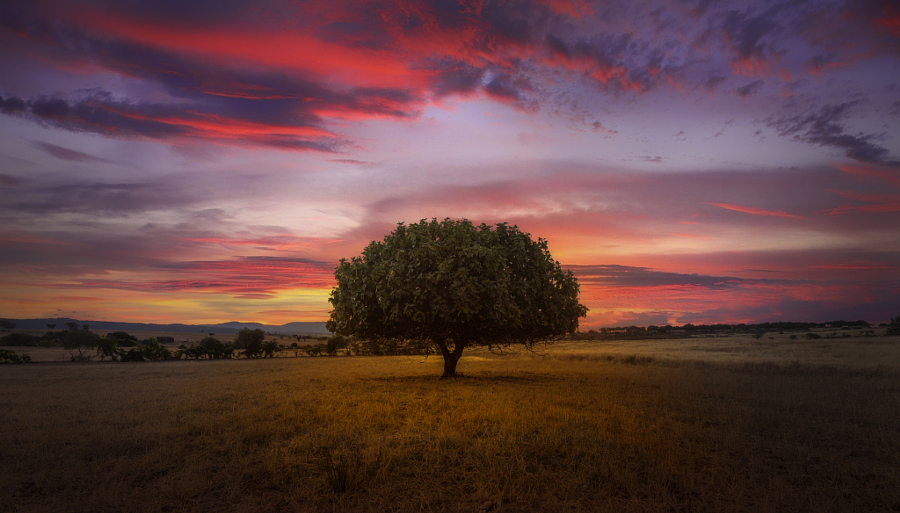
(574, 8)
(755, 211)
(282, 49)
(253, 277)
(751, 66)
(879, 203)
(885, 174)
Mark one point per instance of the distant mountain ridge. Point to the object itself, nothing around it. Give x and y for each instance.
(291, 328)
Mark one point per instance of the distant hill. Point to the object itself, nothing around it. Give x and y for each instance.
(291, 328)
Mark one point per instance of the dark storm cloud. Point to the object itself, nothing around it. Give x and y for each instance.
(826, 127)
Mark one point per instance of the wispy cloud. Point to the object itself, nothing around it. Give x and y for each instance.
(824, 127)
(755, 211)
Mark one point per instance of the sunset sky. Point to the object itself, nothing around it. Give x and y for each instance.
(211, 161)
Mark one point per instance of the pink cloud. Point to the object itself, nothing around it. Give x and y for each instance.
(755, 211)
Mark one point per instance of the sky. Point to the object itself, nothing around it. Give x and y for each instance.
(690, 161)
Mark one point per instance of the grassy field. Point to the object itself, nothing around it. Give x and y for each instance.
(731, 424)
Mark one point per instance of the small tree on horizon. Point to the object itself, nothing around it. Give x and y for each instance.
(454, 285)
(251, 341)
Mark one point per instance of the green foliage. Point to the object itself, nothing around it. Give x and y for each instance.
(8, 356)
(251, 341)
(454, 285)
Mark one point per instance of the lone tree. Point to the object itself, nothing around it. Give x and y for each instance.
(454, 285)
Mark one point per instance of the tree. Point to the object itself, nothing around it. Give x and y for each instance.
(7, 325)
(453, 285)
(251, 341)
(214, 348)
(123, 339)
(108, 346)
(78, 342)
(893, 328)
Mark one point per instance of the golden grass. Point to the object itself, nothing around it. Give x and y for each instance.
(577, 430)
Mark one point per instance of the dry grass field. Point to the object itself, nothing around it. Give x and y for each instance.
(730, 424)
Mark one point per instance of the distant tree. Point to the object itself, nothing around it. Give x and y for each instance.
(108, 347)
(123, 339)
(72, 325)
(251, 341)
(86, 327)
(7, 325)
(335, 343)
(20, 339)
(51, 326)
(78, 343)
(147, 350)
(452, 285)
(893, 328)
(214, 348)
(270, 347)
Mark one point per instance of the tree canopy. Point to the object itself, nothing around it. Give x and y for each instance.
(455, 285)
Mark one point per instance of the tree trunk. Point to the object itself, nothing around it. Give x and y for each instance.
(451, 359)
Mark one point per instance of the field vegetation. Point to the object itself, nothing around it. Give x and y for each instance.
(719, 424)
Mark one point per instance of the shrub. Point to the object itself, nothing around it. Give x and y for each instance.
(108, 347)
(8, 356)
(147, 350)
(20, 340)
